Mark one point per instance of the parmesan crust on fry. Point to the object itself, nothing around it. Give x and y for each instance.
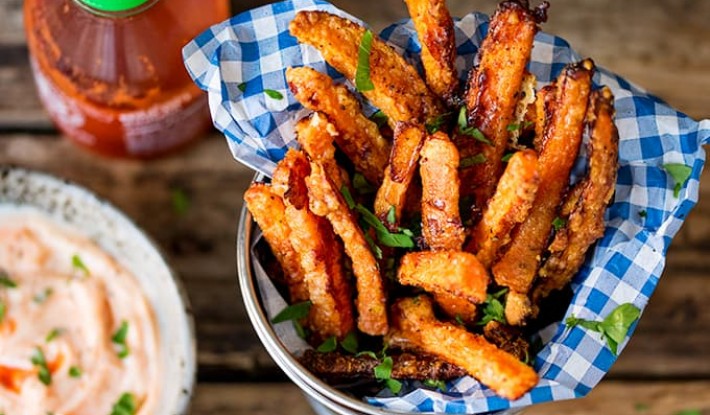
(586, 220)
(408, 140)
(269, 212)
(414, 324)
(441, 221)
(492, 96)
(399, 91)
(519, 264)
(371, 300)
(315, 135)
(358, 137)
(320, 253)
(509, 206)
(435, 29)
(456, 273)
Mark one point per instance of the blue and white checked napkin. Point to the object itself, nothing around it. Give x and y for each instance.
(241, 63)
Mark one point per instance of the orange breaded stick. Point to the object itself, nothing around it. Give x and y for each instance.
(371, 300)
(399, 91)
(509, 206)
(269, 212)
(586, 220)
(441, 221)
(357, 136)
(435, 29)
(413, 323)
(492, 96)
(320, 253)
(315, 135)
(519, 264)
(408, 140)
(450, 272)
(456, 307)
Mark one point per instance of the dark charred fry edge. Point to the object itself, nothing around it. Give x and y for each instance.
(507, 338)
(339, 367)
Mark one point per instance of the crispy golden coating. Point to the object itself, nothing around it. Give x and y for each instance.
(544, 100)
(371, 300)
(586, 220)
(315, 135)
(523, 111)
(413, 323)
(408, 140)
(441, 221)
(492, 96)
(519, 264)
(319, 251)
(399, 91)
(450, 272)
(269, 212)
(457, 308)
(435, 29)
(358, 137)
(509, 206)
(517, 308)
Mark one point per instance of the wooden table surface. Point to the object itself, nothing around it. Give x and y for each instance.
(663, 46)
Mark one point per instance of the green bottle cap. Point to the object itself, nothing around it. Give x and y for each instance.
(113, 5)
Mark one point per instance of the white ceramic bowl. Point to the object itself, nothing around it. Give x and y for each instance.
(76, 207)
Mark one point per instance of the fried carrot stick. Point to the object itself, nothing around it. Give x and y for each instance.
(435, 29)
(413, 323)
(509, 206)
(326, 200)
(398, 90)
(519, 264)
(358, 137)
(408, 140)
(315, 135)
(269, 212)
(320, 253)
(441, 221)
(586, 220)
(492, 97)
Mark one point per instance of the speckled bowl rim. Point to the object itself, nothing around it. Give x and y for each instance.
(183, 322)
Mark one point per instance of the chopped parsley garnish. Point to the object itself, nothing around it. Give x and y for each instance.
(472, 161)
(437, 384)
(376, 250)
(329, 345)
(52, 335)
(558, 223)
(119, 339)
(273, 94)
(40, 362)
(293, 312)
(42, 296)
(363, 83)
(361, 184)
(391, 216)
(75, 372)
(242, 87)
(79, 265)
(383, 372)
(6, 281)
(493, 309)
(347, 196)
(379, 118)
(614, 327)
(470, 131)
(506, 158)
(643, 213)
(300, 330)
(3, 311)
(126, 405)
(517, 126)
(680, 174)
(180, 201)
(435, 124)
(349, 343)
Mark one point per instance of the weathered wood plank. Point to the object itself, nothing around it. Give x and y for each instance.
(610, 397)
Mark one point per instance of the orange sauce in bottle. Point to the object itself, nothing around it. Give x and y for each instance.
(114, 81)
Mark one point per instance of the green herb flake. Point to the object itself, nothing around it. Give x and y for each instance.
(361, 184)
(126, 405)
(368, 353)
(643, 214)
(3, 311)
(558, 223)
(273, 94)
(470, 131)
(384, 236)
(40, 362)
(614, 327)
(79, 265)
(180, 201)
(293, 312)
(242, 87)
(391, 216)
(680, 174)
(394, 385)
(493, 309)
(513, 127)
(383, 371)
(376, 250)
(363, 83)
(436, 384)
(75, 372)
(350, 343)
(506, 158)
(42, 296)
(6, 281)
(53, 334)
(119, 339)
(379, 118)
(689, 412)
(472, 161)
(435, 124)
(347, 196)
(329, 345)
(459, 320)
(300, 330)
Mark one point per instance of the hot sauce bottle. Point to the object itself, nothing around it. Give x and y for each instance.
(110, 72)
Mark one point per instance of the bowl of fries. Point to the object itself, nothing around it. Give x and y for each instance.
(455, 216)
